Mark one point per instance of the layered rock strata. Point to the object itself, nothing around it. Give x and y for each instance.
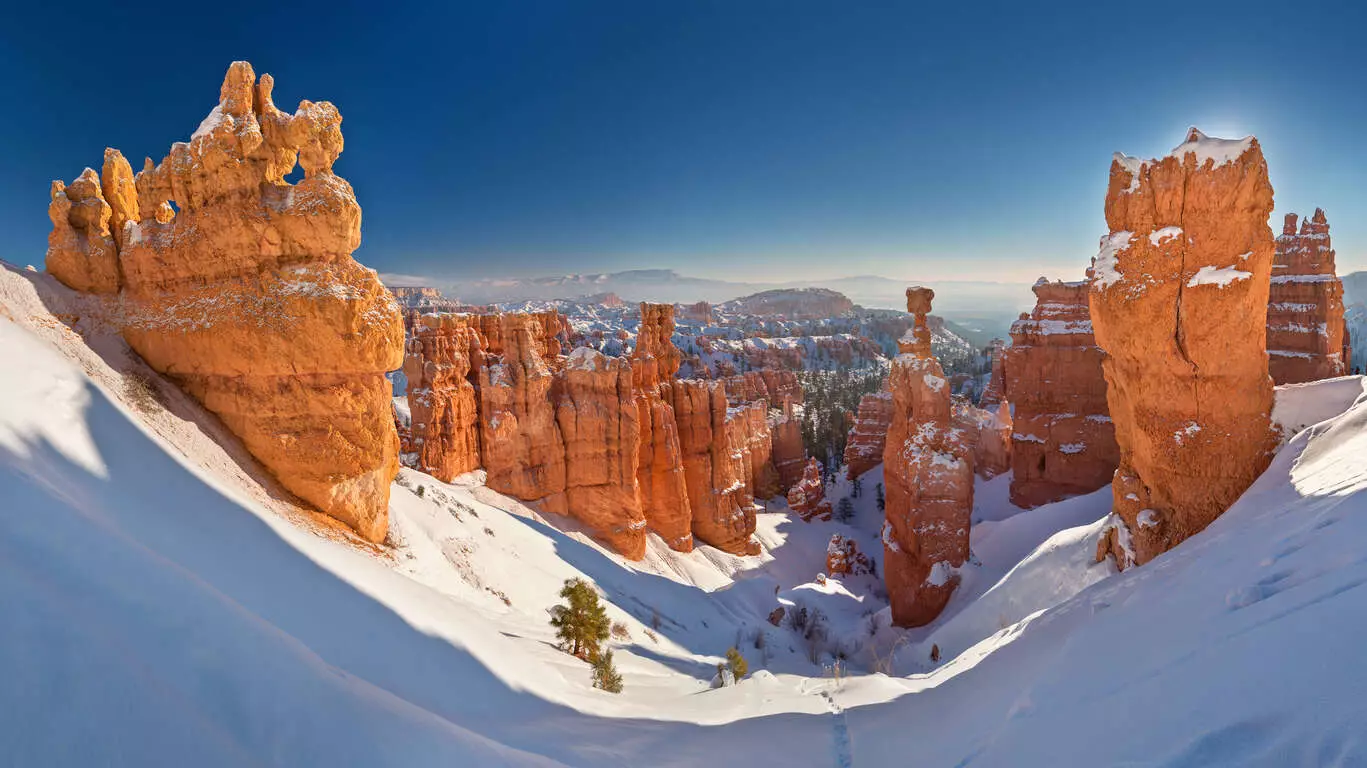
(1063, 441)
(664, 489)
(444, 424)
(241, 287)
(868, 436)
(1179, 302)
(1307, 338)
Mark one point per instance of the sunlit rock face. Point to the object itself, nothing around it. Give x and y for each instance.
(664, 489)
(995, 393)
(444, 414)
(1179, 302)
(1307, 338)
(988, 434)
(807, 497)
(241, 287)
(928, 475)
(723, 507)
(1063, 441)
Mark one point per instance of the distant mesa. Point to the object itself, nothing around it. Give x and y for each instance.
(793, 303)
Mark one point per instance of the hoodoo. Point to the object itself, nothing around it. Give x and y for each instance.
(664, 491)
(928, 473)
(246, 294)
(1064, 440)
(1179, 304)
(1306, 335)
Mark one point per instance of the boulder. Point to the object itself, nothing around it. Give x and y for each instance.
(1063, 440)
(1306, 333)
(1178, 303)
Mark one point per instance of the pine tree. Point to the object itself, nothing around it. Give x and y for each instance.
(878, 495)
(736, 662)
(844, 511)
(582, 625)
(605, 675)
(856, 487)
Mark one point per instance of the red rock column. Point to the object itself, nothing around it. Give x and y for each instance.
(723, 508)
(1179, 304)
(1306, 333)
(995, 393)
(868, 436)
(1064, 440)
(928, 474)
(660, 472)
(444, 426)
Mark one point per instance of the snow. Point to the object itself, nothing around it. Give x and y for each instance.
(1106, 271)
(1217, 151)
(1160, 236)
(1218, 276)
(211, 121)
(166, 605)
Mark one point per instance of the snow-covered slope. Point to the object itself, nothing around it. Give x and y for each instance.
(166, 604)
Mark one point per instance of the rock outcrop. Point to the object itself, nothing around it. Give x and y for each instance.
(1179, 304)
(928, 476)
(995, 392)
(1307, 339)
(868, 436)
(664, 490)
(246, 294)
(843, 558)
(807, 497)
(988, 434)
(722, 505)
(444, 424)
(789, 452)
(1063, 440)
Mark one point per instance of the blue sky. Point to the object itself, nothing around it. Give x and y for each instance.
(734, 138)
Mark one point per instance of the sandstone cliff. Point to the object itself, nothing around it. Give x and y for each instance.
(995, 392)
(245, 291)
(445, 426)
(868, 436)
(1064, 440)
(1306, 335)
(664, 490)
(722, 505)
(1179, 304)
(928, 475)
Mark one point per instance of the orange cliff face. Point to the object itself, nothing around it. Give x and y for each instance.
(928, 474)
(868, 436)
(995, 392)
(1179, 304)
(722, 505)
(1064, 439)
(1307, 339)
(444, 416)
(664, 489)
(246, 294)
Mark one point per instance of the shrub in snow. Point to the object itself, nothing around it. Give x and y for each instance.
(605, 675)
(736, 663)
(141, 391)
(620, 631)
(581, 624)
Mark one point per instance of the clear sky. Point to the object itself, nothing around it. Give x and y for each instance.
(735, 138)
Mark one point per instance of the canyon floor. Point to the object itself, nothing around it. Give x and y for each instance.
(181, 608)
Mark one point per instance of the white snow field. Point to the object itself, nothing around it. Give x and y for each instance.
(165, 603)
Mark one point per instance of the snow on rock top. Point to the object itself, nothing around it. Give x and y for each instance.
(1217, 276)
(1219, 151)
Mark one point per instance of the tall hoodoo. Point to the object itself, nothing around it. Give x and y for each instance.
(928, 473)
(1306, 336)
(868, 436)
(245, 291)
(444, 414)
(1179, 304)
(1064, 439)
(995, 392)
(664, 490)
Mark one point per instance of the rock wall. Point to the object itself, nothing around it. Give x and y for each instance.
(1179, 304)
(1307, 339)
(868, 436)
(928, 476)
(722, 505)
(1063, 442)
(988, 434)
(246, 294)
(789, 452)
(995, 392)
(664, 490)
(444, 425)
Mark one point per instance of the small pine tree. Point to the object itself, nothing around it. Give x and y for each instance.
(856, 487)
(844, 510)
(582, 625)
(737, 663)
(878, 496)
(605, 675)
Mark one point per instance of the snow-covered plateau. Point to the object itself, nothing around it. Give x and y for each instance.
(165, 603)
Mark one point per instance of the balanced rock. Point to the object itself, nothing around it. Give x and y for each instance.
(246, 294)
(1179, 304)
(928, 474)
(1063, 443)
(1307, 338)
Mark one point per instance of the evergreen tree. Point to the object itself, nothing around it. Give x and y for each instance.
(582, 625)
(605, 675)
(878, 496)
(736, 662)
(844, 511)
(856, 487)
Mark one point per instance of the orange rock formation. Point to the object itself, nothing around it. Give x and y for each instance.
(807, 497)
(995, 393)
(664, 490)
(245, 291)
(988, 433)
(868, 436)
(843, 558)
(444, 428)
(1064, 440)
(1179, 304)
(928, 474)
(723, 507)
(1306, 335)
